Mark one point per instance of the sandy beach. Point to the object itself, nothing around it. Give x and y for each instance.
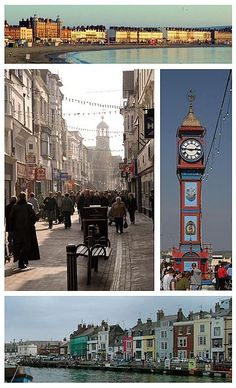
(50, 54)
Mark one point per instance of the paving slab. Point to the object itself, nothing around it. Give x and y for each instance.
(129, 268)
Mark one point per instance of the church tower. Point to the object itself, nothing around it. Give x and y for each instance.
(102, 158)
(102, 136)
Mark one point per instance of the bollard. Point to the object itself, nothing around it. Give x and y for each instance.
(71, 267)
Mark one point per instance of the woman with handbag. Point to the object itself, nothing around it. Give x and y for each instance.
(118, 211)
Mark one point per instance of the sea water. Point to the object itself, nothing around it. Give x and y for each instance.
(63, 375)
(211, 55)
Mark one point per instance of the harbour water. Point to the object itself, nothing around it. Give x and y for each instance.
(62, 375)
(211, 55)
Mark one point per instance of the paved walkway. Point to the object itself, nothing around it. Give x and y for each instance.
(129, 268)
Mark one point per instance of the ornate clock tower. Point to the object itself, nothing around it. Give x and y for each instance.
(190, 168)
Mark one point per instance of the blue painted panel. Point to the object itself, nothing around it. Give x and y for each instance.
(190, 194)
(190, 228)
(188, 265)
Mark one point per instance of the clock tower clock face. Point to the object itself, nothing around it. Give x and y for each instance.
(191, 150)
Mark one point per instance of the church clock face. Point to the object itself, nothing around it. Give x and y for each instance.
(191, 150)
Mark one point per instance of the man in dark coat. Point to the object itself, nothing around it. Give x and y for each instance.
(8, 225)
(50, 208)
(25, 244)
(67, 208)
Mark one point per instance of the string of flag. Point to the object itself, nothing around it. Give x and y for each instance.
(90, 103)
(89, 113)
(93, 130)
(217, 137)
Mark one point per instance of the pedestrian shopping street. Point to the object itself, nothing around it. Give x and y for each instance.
(129, 268)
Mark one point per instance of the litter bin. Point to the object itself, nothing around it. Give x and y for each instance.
(96, 216)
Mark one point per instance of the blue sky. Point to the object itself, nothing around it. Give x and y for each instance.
(208, 86)
(55, 317)
(132, 15)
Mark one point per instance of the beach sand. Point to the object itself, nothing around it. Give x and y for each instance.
(50, 54)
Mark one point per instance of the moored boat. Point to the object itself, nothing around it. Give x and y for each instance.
(16, 374)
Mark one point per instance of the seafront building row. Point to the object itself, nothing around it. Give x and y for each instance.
(201, 335)
(43, 153)
(39, 29)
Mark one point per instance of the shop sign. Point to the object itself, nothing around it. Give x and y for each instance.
(31, 159)
(126, 167)
(40, 174)
(64, 176)
(149, 124)
(56, 174)
(21, 170)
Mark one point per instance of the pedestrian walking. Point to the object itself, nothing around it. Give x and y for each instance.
(229, 277)
(73, 199)
(222, 275)
(217, 266)
(8, 228)
(25, 244)
(118, 211)
(132, 207)
(196, 278)
(67, 208)
(34, 202)
(168, 281)
(50, 208)
(59, 198)
(182, 282)
(104, 199)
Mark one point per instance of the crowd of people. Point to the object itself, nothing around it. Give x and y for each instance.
(173, 279)
(22, 213)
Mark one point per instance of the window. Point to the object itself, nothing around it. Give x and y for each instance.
(138, 344)
(230, 339)
(217, 343)
(202, 328)
(217, 332)
(163, 334)
(28, 87)
(182, 342)
(28, 117)
(165, 323)
(13, 107)
(31, 146)
(182, 354)
(189, 331)
(163, 345)
(149, 343)
(180, 331)
(201, 340)
(19, 112)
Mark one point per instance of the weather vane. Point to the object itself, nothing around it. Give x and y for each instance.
(191, 97)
